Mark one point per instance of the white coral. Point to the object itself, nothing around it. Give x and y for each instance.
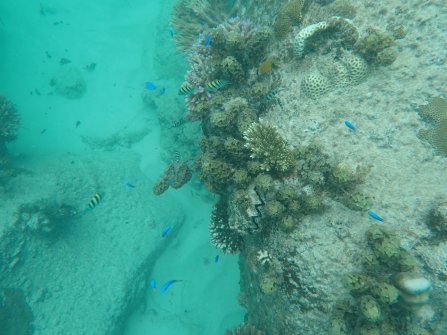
(305, 33)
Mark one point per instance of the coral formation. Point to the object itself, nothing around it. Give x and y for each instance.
(191, 17)
(384, 298)
(314, 85)
(68, 82)
(290, 14)
(374, 47)
(301, 38)
(222, 235)
(244, 329)
(267, 146)
(175, 175)
(45, 217)
(435, 113)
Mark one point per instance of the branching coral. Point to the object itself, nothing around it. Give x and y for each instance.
(435, 112)
(222, 235)
(267, 146)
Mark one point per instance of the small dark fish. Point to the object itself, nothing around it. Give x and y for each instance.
(43, 131)
(178, 123)
(90, 67)
(130, 185)
(165, 231)
(375, 216)
(153, 284)
(186, 89)
(78, 123)
(216, 259)
(162, 90)
(150, 85)
(95, 200)
(167, 284)
(36, 91)
(350, 125)
(216, 84)
(64, 61)
(206, 40)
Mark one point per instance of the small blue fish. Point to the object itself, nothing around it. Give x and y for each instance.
(171, 181)
(165, 230)
(167, 284)
(171, 31)
(375, 216)
(150, 85)
(153, 284)
(216, 259)
(350, 125)
(206, 41)
(162, 90)
(130, 185)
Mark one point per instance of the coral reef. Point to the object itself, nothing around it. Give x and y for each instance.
(222, 235)
(267, 146)
(191, 17)
(69, 83)
(314, 85)
(175, 175)
(45, 217)
(16, 317)
(435, 113)
(244, 329)
(290, 14)
(384, 298)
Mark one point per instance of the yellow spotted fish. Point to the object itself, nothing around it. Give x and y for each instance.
(216, 84)
(95, 200)
(186, 89)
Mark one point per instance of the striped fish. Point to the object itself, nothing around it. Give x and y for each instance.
(186, 89)
(177, 156)
(216, 84)
(95, 200)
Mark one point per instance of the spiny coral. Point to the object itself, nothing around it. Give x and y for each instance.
(175, 175)
(222, 235)
(435, 112)
(267, 146)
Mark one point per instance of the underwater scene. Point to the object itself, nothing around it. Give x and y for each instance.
(223, 167)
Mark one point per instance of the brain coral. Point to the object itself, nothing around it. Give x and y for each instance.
(435, 112)
(315, 85)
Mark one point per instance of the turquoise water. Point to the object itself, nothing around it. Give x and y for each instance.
(223, 167)
(94, 278)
